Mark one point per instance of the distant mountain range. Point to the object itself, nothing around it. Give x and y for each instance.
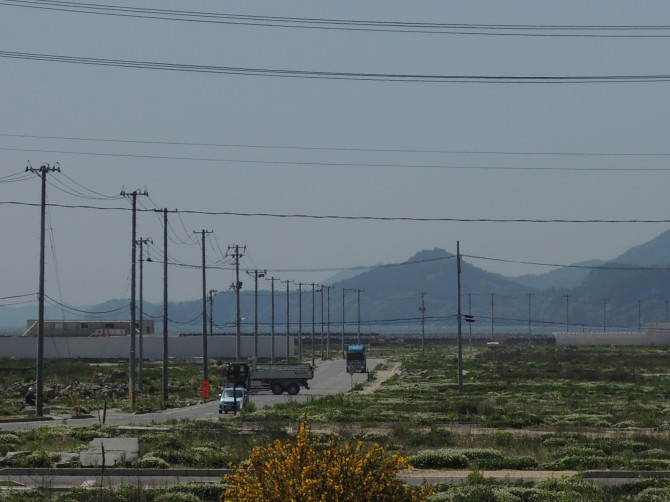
(561, 278)
(624, 293)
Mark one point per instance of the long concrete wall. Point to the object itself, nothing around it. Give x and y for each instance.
(179, 347)
(655, 335)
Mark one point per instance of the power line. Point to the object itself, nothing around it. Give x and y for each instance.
(338, 149)
(73, 309)
(371, 164)
(527, 30)
(17, 296)
(631, 268)
(334, 75)
(13, 178)
(356, 217)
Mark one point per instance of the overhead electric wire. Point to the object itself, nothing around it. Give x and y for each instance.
(73, 309)
(13, 178)
(12, 304)
(357, 217)
(338, 149)
(605, 266)
(526, 30)
(366, 164)
(335, 75)
(57, 183)
(11, 297)
(54, 256)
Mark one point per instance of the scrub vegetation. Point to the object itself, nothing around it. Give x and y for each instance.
(523, 407)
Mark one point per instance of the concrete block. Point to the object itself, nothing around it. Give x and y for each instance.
(108, 451)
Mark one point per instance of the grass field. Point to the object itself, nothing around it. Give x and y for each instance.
(522, 407)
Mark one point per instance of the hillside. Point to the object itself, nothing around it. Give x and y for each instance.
(560, 278)
(620, 294)
(655, 252)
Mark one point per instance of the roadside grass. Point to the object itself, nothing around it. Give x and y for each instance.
(80, 387)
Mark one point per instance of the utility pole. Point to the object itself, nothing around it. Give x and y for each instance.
(300, 285)
(165, 306)
(39, 379)
(237, 286)
(358, 336)
(470, 320)
(142, 242)
(288, 330)
(272, 320)
(343, 291)
(328, 288)
(133, 195)
(256, 273)
(211, 311)
(205, 359)
(492, 318)
(359, 316)
(313, 320)
(422, 309)
(460, 338)
(529, 295)
(322, 322)
(567, 313)
(604, 315)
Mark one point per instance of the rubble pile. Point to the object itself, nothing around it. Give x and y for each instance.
(81, 391)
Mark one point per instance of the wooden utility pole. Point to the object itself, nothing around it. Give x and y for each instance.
(205, 368)
(460, 338)
(132, 377)
(237, 254)
(422, 309)
(142, 242)
(300, 285)
(256, 273)
(165, 305)
(288, 326)
(272, 320)
(39, 379)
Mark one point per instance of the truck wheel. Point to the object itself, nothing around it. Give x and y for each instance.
(277, 388)
(293, 388)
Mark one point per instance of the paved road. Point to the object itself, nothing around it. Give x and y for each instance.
(330, 377)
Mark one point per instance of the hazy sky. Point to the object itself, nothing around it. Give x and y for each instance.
(386, 147)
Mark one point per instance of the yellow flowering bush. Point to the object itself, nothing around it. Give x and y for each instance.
(305, 470)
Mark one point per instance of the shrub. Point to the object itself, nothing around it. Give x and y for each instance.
(467, 493)
(38, 458)
(519, 463)
(8, 438)
(152, 462)
(652, 495)
(177, 497)
(457, 458)
(445, 458)
(308, 471)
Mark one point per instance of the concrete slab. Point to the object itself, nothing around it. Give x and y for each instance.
(108, 451)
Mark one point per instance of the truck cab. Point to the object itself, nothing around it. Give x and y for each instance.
(356, 359)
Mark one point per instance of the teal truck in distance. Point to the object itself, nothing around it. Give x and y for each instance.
(356, 359)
